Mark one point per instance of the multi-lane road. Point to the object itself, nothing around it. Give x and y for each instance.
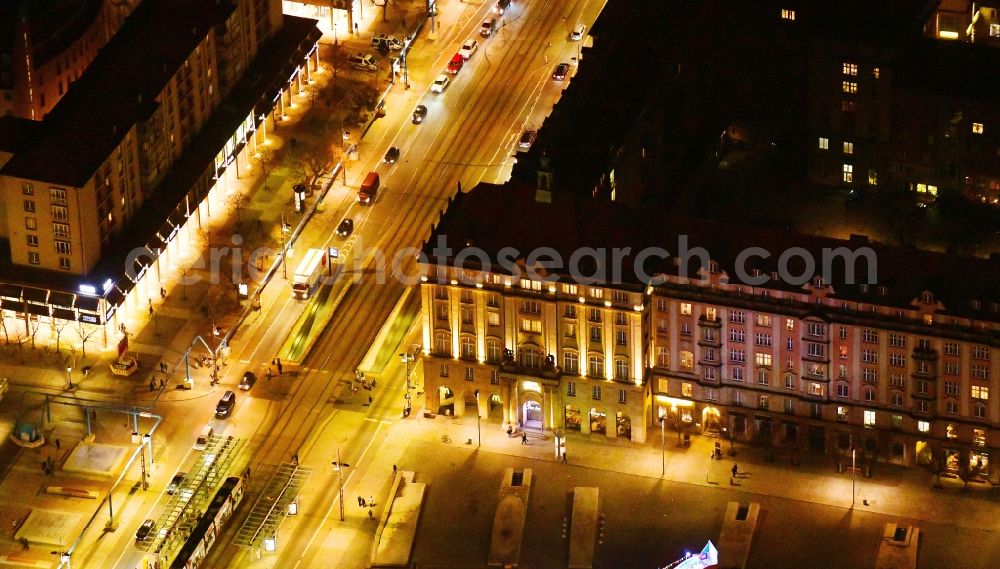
(469, 135)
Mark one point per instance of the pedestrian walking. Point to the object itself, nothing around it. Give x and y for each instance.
(564, 457)
(25, 546)
(162, 384)
(524, 438)
(163, 293)
(152, 385)
(267, 374)
(278, 364)
(58, 444)
(371, 501)
(736, 471)
(370, 400)
(393, 466)
(361, 502)
(295, 459)
(370, 516)
(150, 310)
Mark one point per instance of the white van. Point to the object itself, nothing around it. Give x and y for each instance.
(202, 441)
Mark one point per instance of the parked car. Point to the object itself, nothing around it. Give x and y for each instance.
(468, 48)
(527, 138)
(363, 62)
(487, 27)
(560, 72)
(440, 84)
(176, 482)
(577, 33)
(346, 227)
(144, 530)
(249, 378)
(419, 114)
(390, 42)
(391, 155)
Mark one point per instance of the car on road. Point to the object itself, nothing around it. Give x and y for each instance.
(455, 65)
(468, 48)
(577, 33)
(486, 28)
(440, 84)
(346, 227)
(225, 406)
(391, 155)
(419, 114)
(175, 482)
(363, 62)
(391, 42)
(560, 72)
(144, 530)
(249, 378)
(526, 140)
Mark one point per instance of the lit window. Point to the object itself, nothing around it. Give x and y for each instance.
(875, 72)
(923, 426)
(994, 30)
(849, 87)
(848, 148)
(824, 143)
(686, 308)
(787, 14)
(977, 128)
(872, 177)
(850, 68)
(980, 392)
(869, 418)
(848, 173)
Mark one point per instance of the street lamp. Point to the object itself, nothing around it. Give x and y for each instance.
(285, 229)
(854, 473)
(339, 466)
(69, 376)
(479, 417)
(663, 442)
(407, 358)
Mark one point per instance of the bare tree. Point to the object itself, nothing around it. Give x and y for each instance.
(20, 339)
(33, 326)
(265, 158)
(238, 201)
(85, 332)
(320, 148)
(59, 325)
(3, 324)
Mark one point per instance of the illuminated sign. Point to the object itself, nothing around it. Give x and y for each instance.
(531, 386)
(107, 284)
(88, 289)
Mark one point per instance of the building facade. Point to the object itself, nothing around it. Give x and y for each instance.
(903, 369)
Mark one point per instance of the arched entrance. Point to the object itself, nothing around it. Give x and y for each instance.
(573, 418)
(710, 421)
(532, 413)
(623, 424)
(598, 421)
(446, 398)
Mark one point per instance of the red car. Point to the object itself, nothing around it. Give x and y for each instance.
(455, 64)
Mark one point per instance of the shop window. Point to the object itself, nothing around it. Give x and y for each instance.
(951, 431)
(687, 390)
(869, 418)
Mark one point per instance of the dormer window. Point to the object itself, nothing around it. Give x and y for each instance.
(883, 291)
(818, 282)
(927, 297)
(713, 266)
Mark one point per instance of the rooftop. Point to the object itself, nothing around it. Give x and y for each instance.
(117, 90)
(492, 217)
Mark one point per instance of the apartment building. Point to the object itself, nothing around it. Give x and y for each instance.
(46, 46)
(899, 361)
(130, 153)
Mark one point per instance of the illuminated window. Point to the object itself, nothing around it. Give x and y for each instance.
(875, 72)
(687, 361)
(762, 359)
(994, 30)
(848, 148)
(686, 308)
(848, 173)
(923, 426)
(980, 392)
(824, 143)
(927, 189)
(687, 390)
(849, 87)
(850, 68)
(869, 418)
(977, 128)
(872, 177)
(787, 14)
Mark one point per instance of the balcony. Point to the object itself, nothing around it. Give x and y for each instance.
(713, 342)
(709, 323)
(822, 359)
(924, 396)
(546, 370)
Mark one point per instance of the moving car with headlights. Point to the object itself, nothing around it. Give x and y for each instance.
(391, 155)
(249, 378)
(487, 27)
(369, 189)
(144, 530)
(345, 228)
(577, 33)
(419, 114)
(560, 72)
(501, 6)
(440, 84)
(527, 138)
(455, 65)
(225, 406)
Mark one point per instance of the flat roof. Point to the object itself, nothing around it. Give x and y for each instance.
(117, 90)
(492, 217)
